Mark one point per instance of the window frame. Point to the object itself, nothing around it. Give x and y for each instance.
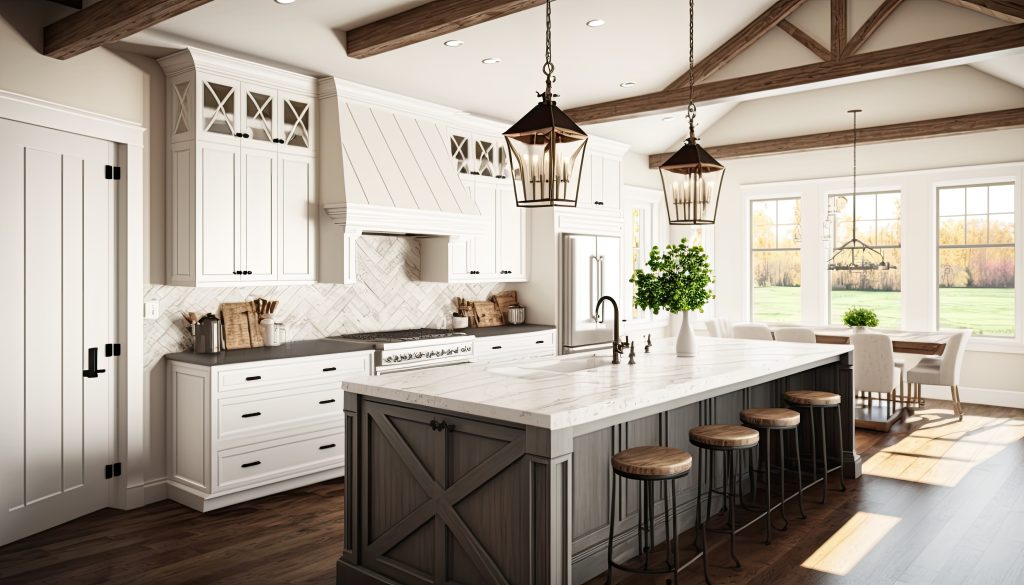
(835, 242)
(1014, 338)
(751, 250)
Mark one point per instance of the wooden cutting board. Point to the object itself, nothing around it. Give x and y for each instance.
(504, 300)
(487, 314)
(241, 326)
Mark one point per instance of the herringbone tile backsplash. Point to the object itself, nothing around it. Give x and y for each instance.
(388, 296)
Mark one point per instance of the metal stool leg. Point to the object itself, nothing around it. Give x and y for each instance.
(768, 488)
(730, 494)
(839, 426)
(611, 528)
(782, 479)
(700, 544)
(799, 473)
(824, 458)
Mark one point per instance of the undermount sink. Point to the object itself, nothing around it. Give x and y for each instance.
(549, 367)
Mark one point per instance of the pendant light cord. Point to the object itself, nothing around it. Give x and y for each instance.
(691, 109)
(549, 67)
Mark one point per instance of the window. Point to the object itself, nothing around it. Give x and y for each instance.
(878, 225)
(775, 260)
(976, 259)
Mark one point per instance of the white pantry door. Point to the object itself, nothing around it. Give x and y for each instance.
(58, 299)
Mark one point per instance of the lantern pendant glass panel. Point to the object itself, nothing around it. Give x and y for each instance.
(546, 151)
(692, 180)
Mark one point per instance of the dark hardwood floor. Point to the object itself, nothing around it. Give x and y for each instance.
(940, 501)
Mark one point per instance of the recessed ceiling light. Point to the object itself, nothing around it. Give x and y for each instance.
(284, 1)
(627, 84)
(595, 23)
(491, 61)
(453, 43)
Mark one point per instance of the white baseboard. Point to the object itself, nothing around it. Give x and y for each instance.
(154, 491)
(1007, 398)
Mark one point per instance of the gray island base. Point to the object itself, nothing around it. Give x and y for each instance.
(478, 473)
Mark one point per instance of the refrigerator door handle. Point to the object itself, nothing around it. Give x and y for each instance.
(594, 273)
(600, 285)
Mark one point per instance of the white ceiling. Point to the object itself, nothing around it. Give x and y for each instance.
(644, 41)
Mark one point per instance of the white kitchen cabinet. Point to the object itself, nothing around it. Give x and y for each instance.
(243, 431)
(242, 202)
(480, 154)
(600, 182)
(511, 235)
(514, 346)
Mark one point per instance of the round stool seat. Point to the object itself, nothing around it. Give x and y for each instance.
(729, 436)
(811, 398)
(652, 461)
(775, 418)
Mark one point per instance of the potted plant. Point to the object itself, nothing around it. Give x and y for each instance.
(679, 281)
(860, 317)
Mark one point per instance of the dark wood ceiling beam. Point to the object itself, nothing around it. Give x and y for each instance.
(998, 120)
(76, 4)
(747, 36)
(1011, 11)
(107, 21)
(870, 26)
(838, 20)
(805, 40)
(425, 22)
(936, 53)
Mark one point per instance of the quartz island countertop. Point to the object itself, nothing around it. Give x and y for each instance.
(572, 390)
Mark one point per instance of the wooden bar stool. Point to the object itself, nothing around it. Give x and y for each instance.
(727, 439)
(650, 465)
(782, 421)
(817, 401)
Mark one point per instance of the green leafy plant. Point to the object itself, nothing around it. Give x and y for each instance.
(679, 280)
(860, 317)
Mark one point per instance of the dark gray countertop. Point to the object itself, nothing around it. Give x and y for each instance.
(506, 330)
(294, 349)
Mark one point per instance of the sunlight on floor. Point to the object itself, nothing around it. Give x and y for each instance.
(844, 549)
(944, 450)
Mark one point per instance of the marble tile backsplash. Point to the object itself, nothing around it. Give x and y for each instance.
(387, 296)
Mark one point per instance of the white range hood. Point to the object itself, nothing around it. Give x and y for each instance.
(385, 168)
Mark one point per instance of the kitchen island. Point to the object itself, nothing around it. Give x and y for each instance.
(478, 473)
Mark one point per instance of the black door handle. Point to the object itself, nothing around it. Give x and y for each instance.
(328, 401)
(328, 446)
(251, 464)
(330, 369)
(253, 378)
(94, 356)
(251, 414)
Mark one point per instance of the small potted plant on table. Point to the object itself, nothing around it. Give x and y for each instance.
(859, 318)
(679, 281)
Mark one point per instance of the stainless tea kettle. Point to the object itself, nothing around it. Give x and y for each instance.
(208, 335)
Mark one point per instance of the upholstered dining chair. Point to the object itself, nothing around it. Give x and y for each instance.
(941, 371)
(712, 326)
(752, 331)
(875, 370)
(796, 334)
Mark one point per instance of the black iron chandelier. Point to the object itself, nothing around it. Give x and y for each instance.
(856, 254)
(692, 178)
(546, 148)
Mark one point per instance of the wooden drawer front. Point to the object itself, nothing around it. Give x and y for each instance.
(308, 405)
(525, 344)
(331, 369)
(279, 461)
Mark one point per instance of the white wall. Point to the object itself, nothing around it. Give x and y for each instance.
(914, 167)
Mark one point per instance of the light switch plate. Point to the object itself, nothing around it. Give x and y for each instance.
(151, 309)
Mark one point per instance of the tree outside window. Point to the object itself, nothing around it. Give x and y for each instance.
(775, 260)
(977, 259)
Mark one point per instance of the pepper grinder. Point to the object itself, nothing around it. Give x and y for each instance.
(632, 353)
(648, 345)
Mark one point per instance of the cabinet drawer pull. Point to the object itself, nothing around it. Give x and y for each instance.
(328, 401)
(539, 341)
(253, 378)
(495, 347)
(251, 414)
(330, 369)
(327, 446)
(251, 464)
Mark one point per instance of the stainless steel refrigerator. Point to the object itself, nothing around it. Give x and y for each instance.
(591, 267)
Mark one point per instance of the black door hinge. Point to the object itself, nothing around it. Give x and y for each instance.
(113, 349)
(113, 470)
(112, 173)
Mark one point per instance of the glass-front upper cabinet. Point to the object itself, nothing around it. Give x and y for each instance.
(219, 109)
(479, 155)
(260, 116)
(297, 124)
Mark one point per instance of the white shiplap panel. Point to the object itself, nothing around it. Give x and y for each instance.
(382, 157)
(361, 163)
(353, 188)
(429, 166)
(408, 164)
(438, 145)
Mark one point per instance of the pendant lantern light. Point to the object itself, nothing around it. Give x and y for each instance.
(546, 148)
(692, 178)
(855, 254)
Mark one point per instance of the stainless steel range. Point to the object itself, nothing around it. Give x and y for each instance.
(415, 348)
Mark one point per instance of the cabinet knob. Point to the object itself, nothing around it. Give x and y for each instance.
(246, 135)
(237, 272)
(238, 134)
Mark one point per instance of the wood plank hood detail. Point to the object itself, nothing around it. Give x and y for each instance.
(385, 169)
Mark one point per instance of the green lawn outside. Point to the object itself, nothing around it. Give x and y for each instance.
(988, 311)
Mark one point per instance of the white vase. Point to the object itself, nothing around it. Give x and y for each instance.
(686, 342)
